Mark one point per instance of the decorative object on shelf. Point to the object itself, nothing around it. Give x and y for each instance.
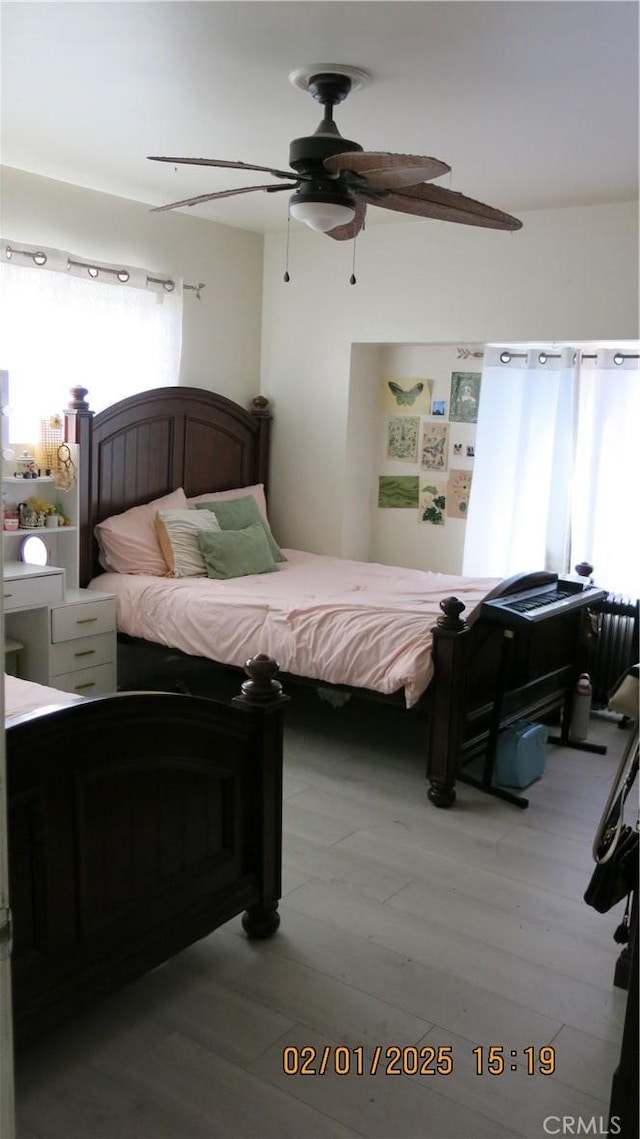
(30, 519)
(51, 436)
(65, 477)
(11, 519)
(26, 466)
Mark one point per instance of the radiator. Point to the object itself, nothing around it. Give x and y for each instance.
(617, 646)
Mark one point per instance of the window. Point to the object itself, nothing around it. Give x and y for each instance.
(556, 465)
(61, 329)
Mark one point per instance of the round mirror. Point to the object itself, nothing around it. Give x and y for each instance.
(34, 551)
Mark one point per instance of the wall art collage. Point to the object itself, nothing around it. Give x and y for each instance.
(419, 432)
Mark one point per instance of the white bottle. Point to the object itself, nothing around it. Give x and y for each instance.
(581, 709)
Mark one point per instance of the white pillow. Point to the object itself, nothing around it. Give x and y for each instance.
(177, 532)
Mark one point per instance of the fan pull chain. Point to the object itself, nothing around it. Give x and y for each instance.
(286, 277)
(353, 278)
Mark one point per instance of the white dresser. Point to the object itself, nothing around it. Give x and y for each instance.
(69, 635)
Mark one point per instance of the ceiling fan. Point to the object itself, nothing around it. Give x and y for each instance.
(334, 180)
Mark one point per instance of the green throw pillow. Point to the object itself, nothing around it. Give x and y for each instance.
(237, 514)
(236, 553)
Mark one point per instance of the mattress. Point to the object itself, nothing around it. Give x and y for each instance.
(360, 624)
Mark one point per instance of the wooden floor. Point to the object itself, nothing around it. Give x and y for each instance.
(402, 925)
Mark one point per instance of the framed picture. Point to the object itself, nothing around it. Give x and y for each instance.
(407, 397)
(458, 491)
(402, 438)
(465, 397)
(433, 448)
(433, 503)
(439, 407)
(399, 491)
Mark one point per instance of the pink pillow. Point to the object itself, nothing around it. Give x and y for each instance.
(256, 491)
(129, 542)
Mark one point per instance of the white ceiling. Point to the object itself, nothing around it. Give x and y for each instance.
(532, 104)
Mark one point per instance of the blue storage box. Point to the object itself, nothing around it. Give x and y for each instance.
(521, 755)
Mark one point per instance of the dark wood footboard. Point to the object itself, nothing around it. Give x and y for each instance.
(487, 676)
(138, 823)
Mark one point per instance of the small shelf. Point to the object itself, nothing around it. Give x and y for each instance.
(42, 530)
(18, 479)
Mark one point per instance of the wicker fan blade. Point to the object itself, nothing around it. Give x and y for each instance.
(222, 194)
(353, 227)
(447, 205)
(227, 165)
(383, 171)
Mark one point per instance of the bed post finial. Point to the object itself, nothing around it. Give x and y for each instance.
(77, 401)
(451, 607)
(584, 569)
(261, 687)
(260, 406)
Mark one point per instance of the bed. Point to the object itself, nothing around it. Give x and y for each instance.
(201, 443)
(137, 824)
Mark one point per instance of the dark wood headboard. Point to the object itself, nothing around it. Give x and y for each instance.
(145, 446)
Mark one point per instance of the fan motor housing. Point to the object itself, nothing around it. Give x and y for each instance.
(324, 189)
(307, 155)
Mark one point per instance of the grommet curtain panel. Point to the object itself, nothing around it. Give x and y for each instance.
(556, 463)
(60, 330)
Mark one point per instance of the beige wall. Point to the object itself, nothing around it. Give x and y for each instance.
(221, 339)
(569, 274)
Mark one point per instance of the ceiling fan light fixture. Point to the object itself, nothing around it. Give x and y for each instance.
(321, 216)
(321, 211)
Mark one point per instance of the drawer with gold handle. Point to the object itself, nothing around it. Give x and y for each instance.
(85, 652)
(90, 681)
(69, 622)
(32, 592)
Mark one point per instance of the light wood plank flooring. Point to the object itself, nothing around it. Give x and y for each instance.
(401, 925)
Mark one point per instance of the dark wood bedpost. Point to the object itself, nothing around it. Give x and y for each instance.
(77, 429)
(447, 702)
(263, 698)
(260, 409)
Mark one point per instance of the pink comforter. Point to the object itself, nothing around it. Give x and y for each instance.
(344, 622)
(22, 696)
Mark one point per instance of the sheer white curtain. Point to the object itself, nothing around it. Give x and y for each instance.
(519, 509)
(604, 518)
(58, 331)
(556, 466)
